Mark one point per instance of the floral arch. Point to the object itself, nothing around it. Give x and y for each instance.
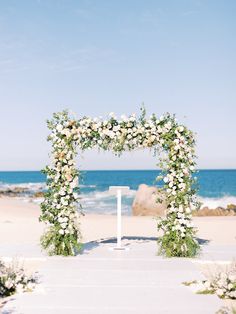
(59, 208)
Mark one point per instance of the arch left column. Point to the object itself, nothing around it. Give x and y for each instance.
(60, 206)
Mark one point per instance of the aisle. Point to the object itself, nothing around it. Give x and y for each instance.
(109, 282)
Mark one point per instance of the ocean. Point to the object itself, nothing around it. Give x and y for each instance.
(216, 187)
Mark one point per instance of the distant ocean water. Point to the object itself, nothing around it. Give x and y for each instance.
(216, 187)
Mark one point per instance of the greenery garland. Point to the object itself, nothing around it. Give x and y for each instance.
(59, 209)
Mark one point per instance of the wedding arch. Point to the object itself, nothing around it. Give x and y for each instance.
(174, 143)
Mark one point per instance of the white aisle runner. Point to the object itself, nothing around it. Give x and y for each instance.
(90, 283)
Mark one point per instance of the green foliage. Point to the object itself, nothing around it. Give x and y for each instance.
(206, 292)
(189, 283)
(173, 245)
(56, 244)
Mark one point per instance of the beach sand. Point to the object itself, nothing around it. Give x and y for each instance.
(19, 225)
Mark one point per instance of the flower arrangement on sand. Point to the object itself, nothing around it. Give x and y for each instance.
(13, 279)
(221, 282)
(164, 134)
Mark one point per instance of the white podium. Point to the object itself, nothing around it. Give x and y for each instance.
(118, 191)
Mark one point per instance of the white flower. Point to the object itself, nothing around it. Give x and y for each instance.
(111, 134)
(232, 294)
(182, 186)
(230, 286)
(116, 128)
(59, 127)
(60, 219)
(8, 283)
(30, 286)
(62, 192)
(207, 284)
(74, 183)
(64, 201)
(220, 292)
(188, 210)
(63, 225)
(61, 231)
(66, 132)
(153, 138)
(166, 179)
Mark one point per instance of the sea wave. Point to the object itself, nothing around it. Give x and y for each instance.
(217, 201)
(34, 186)
(87, 186)
(104, 202)
(94, 200)
(106, 194)
(31, 186)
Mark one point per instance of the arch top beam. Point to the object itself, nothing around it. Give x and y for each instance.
(59, 209)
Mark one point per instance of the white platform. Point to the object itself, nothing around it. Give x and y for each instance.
(112, 282)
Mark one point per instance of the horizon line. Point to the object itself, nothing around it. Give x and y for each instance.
(40, 170)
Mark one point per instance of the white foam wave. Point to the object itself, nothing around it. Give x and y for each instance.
(87, 186)
(217, 202)
(106, 194)
(39, 186)
(104, 202)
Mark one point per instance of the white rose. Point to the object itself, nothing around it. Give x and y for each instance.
(8, 284)
(116, 128)
(63, 225)
(60, 219)
(188, 210)
(59, 127)
(219, 292)
(230, 286)
(111, 134)
(74, 183)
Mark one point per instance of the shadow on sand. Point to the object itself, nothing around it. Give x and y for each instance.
(89, 246)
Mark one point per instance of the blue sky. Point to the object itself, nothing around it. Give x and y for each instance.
(94, 57)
